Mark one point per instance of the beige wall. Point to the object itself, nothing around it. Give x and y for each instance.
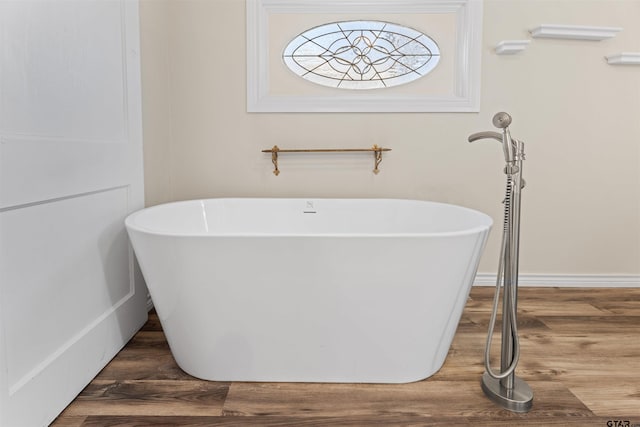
(579, 118)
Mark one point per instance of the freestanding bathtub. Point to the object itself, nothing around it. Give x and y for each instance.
(312, 290)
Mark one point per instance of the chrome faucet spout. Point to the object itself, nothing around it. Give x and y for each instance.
(483, 135)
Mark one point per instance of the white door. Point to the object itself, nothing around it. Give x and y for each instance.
(70, 172)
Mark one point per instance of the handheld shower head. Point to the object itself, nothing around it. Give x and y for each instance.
(501, 120)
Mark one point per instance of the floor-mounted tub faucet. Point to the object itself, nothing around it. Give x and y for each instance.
(505, 388)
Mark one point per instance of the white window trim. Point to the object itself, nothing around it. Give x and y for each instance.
(466, 96)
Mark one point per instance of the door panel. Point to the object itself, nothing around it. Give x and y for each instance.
(49, 170)
(70, 172)
(65, 56)
(79, 248)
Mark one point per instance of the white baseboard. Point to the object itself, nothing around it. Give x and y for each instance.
(567, 280)
(149, 303)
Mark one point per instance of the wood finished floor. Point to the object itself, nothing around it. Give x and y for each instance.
(580, 355)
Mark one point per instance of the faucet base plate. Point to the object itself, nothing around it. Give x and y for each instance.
(516, 399)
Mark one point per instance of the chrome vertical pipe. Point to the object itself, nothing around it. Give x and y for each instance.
(506, 355)
(510, 302)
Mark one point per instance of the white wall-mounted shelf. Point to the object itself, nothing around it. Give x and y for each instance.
(624, 58)
(511, 47)
(574, 32)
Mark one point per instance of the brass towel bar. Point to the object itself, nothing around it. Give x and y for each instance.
(377, 153)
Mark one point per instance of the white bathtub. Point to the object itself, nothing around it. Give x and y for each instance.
(322, 290)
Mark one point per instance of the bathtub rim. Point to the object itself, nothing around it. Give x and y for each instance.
(131, 224)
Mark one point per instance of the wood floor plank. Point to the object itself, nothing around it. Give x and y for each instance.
(425, 398)
(132, 398)
(564, 301)
(541, 301)
(479, 322)
(69, 421)
(355, 421)
(624, 396)
(539, 307)
(148, 340)
(592, 324)
(153, 323)
(591, 295)
(625, 308)
(147, 357)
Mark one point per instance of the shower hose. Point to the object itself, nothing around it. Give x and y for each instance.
(510, 316)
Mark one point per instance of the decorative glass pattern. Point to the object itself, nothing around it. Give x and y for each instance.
(361, 54)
